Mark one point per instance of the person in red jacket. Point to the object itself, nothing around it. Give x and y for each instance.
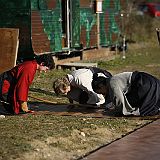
(14, 84)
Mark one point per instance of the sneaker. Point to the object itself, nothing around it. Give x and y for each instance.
(2, 116)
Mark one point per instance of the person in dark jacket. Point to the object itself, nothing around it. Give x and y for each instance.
(130, 93)
(14, 84)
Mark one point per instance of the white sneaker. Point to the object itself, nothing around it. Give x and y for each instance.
(2, 116)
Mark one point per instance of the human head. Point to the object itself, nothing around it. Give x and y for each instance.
(45, 60)
(61, 86)
(100, 84)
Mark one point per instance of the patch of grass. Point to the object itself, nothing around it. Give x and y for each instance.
(142, 59)
(18, 133)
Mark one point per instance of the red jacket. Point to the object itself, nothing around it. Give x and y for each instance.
(17, 86)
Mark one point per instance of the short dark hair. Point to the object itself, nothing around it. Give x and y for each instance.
(97, 80)
(47, 59)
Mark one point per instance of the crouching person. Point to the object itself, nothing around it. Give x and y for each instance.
(14, 84)
(130, 93)
(77, 86)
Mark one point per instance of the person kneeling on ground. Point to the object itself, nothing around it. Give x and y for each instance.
(14, 84)
(77, 86)
(129, 93)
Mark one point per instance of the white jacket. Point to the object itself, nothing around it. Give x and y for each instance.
(81, 79)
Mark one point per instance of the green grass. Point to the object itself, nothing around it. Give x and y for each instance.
(19, 133)
(142, 59)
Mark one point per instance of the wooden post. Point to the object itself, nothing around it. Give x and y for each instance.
(98, 11)
(98, 31)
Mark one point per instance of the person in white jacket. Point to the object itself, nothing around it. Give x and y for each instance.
(77, 86)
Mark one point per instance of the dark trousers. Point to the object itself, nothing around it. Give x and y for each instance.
(83, 97)
(144, 93)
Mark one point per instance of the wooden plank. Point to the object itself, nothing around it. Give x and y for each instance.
(76, 65)
(69, 104)
(9, 43)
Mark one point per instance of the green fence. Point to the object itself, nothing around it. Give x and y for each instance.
(17, 14)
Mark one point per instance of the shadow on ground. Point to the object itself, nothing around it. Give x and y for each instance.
(64, 109)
